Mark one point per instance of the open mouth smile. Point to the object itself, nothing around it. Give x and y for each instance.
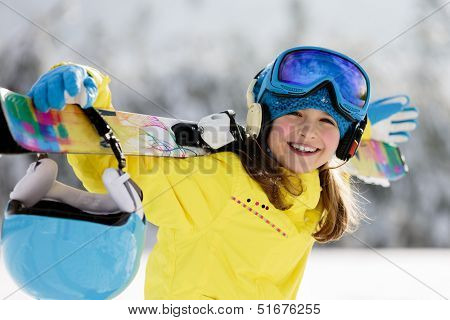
(303, 150)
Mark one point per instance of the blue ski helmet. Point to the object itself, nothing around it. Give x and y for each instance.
(63, 243)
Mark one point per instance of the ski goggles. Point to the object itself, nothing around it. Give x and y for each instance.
(302, 70)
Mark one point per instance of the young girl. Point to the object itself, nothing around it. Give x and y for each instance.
(240, 223)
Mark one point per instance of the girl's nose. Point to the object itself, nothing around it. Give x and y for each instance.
(307, 130)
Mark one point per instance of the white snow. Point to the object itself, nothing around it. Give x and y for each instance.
(340, 274)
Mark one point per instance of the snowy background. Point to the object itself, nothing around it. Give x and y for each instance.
(196, 57)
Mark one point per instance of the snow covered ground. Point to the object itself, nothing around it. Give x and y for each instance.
(336, 273)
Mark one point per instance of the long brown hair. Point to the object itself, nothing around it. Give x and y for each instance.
(341, 212)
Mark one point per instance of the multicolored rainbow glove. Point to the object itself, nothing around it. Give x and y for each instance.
(392, 120)
(66, 84)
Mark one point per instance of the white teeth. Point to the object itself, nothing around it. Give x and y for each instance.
(303, 148)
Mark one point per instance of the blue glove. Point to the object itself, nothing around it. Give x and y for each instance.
(67, 84)
(391, 120)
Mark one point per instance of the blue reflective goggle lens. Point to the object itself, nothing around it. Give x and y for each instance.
(309, 67)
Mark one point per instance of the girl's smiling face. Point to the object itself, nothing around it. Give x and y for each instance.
(304, 140)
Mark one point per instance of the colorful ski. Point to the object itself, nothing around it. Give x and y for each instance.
(69, 131)
(377, 163)
(24, 130)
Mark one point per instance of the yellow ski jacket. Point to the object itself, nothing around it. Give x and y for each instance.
(219, 237)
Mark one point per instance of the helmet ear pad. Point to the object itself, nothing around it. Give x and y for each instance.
(36, 183)
(40, 182)
(125, 193)
(342, 149)
(349, 144)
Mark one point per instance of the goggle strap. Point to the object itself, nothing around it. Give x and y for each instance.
(263, 87)
(250, 95)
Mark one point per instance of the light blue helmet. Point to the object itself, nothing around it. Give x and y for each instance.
(62, 243)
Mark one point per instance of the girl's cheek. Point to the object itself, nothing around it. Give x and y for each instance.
(286, 130)
(282, 129)
(331, 138)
